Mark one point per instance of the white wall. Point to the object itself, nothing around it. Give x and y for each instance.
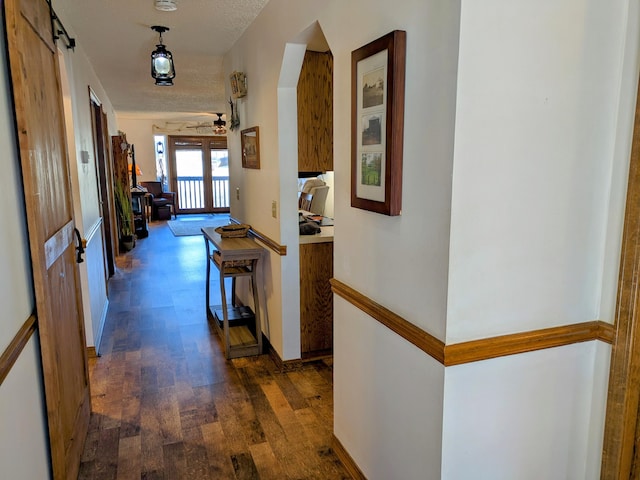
(24, 446)
(509, 418)
(621, 151)
(140, 133)
(411, 250)
(23, 428)
(535, 131)
(542, 147)
(388, 398)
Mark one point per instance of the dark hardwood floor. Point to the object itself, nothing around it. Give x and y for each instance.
(167, 405)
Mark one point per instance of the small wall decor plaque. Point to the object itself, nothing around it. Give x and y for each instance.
(238, 84)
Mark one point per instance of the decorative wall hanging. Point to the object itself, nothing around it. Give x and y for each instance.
(238, 84)
(234, 121)
(377, 124)
(250, 140)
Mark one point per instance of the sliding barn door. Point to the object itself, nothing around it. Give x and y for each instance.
(40, 131)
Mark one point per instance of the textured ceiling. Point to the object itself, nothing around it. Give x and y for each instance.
(116, 35)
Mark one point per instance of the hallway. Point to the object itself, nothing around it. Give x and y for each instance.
(167, 405)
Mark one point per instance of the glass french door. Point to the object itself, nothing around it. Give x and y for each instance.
(199, 169)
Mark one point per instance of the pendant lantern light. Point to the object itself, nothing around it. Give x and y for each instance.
(162, 68)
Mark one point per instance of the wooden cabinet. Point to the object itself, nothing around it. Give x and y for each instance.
(316, 299)
(315, 113)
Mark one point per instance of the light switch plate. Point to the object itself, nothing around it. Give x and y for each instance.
(274, 209)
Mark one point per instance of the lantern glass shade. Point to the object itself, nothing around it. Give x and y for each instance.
(162, 68)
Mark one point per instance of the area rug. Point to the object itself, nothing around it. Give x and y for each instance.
(191, 225)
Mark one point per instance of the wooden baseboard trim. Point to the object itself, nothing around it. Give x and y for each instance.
(272, 244)
(14, 349)
(91, 352)
(281, 365)
(347, 462)
(477, 350)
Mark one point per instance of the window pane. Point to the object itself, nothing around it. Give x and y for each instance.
(189, 170)
(220, 178)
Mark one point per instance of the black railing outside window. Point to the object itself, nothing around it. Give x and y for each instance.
(191, 192)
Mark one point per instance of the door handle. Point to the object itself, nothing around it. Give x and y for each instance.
(79, 248)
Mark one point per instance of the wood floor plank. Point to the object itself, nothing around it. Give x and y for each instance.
(93, 437)
(231, 426)
(129, 458)
(293, 458)
(152, 439)
(165, 408)
(218, 455)
(285, 414)
(291, 392)
(175, 461)
(106, 461)
(195, 454)
(319, 435)
(130, 419)
(266, 462)
(132, 381)
(244, 467)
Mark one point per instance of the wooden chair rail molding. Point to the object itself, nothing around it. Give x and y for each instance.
(407, 330)
(476, 350)
(273, 245)
(13, 350)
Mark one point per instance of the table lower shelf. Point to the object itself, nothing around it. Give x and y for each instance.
(242, 326)
(236, 315)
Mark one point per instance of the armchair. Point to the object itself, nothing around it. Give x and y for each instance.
(160, 199)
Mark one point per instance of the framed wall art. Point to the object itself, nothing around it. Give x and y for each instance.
(377, 124)
(250, 143)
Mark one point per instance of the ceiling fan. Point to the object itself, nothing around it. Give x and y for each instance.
(218, 126)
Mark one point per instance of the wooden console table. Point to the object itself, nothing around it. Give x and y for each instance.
(238, 326)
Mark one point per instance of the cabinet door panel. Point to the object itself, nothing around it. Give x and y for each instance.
(316, 299)
(315, 113)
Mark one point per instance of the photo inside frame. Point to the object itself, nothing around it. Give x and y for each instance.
(371, 126)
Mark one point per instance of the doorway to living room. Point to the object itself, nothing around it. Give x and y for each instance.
(199, 173)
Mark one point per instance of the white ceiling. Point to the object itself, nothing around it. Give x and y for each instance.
(116, 35)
